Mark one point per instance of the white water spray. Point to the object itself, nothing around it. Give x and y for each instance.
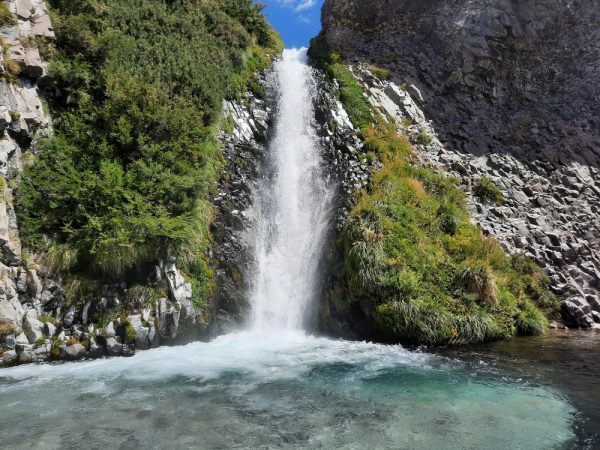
(292, 209)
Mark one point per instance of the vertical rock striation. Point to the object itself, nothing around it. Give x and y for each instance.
(511, 87)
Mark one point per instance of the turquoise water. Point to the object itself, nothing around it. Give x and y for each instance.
(278, 391)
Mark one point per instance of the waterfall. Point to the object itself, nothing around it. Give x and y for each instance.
(292, 206)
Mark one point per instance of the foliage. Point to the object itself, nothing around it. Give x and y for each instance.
(6, 17)
(55, 348)
(126, 177)
(47, 318)
(350, 92)
(421, 139)
(487, 191)
(7, 327)
(379, 72)
(412, 254)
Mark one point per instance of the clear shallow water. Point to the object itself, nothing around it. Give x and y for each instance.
(289, 390)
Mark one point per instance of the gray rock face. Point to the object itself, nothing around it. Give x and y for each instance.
(244, 150)
(514, 102)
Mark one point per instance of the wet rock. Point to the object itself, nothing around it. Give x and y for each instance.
(9, 358)
(73, 352)
(96, 350)
(113, 347)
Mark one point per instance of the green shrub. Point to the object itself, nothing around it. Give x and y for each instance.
(487, 191)
(7, 327)
(411, 254)
(6, 17)
(40, 341)
(350, 92)
(379, 72)
(55, 349)
(47, 318)
(135, 156)
(531, 321)
(422, 139)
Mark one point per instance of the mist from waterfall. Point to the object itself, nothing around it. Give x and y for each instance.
(292, 206)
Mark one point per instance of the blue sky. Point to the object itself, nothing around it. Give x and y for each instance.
(296, 20)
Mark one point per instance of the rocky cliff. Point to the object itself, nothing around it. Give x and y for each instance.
(511, 89)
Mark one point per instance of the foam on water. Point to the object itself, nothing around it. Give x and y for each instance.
(284, 390)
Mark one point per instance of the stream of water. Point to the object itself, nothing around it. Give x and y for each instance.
(274, 385)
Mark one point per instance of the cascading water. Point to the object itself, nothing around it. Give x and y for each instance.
(292, 208)
(282, 388)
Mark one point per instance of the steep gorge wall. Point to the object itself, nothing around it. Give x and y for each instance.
(511, 88)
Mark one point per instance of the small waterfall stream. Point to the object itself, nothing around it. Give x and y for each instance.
(292, 206)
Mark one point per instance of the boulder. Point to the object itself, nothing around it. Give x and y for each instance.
(73, 352)
(109, 330)
(9, 358)
(141, 332)
(96, 350)
(33, 328)
(113, 347)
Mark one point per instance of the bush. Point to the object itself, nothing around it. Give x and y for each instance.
(6, 17)
(382, 74)
(55, 348)
(413, 261)
(127, 175)
(7, 328)
(422, 139)
(487, 191)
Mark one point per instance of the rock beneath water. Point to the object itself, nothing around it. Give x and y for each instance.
(74, 352)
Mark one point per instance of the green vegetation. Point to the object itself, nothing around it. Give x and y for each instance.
(487, 191)
(421, 139)
(411, 253)
(127, 176)
(350, 93)
(379, 72)
(47, 318)
(6, 17)
(55, 349)
(11, 67)
(7, 327)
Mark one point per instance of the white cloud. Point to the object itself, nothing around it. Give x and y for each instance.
(303, 19)
(298, 5)
(303, 5)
